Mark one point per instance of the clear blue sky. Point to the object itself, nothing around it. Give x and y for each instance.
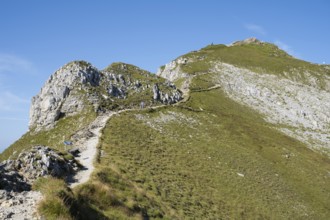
(37, 37)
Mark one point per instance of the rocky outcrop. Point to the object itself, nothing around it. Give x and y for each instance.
(11, 180)
(172, 70)
(55, 99)
(166, 98)
(155, 90)
(18, 175)
(115, 91)
(78, 85)
(297, 109)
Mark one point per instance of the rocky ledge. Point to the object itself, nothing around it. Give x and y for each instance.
(17, 201)
(18, 175)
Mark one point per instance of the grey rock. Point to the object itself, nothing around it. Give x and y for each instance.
(56, 99)
(40, 161)
(156, 94)
(122, 79)
(301, 109)
(14, 205)
(116, 92)
(74, 151)
(172, 71)
(78, 84)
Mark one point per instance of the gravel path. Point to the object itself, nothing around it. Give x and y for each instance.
(88, 149)
(19, 206)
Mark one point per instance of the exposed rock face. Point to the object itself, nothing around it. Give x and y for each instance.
(301, 110)
(19, 174)
(156, 92)
(114, 91)
(78, 85)
(55, 99)
(166, 98)
(172, 70)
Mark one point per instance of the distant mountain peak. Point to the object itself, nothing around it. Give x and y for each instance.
(251, 40)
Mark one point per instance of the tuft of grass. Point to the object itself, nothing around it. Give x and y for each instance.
(60, 202)
(57, 198)
(117, 198)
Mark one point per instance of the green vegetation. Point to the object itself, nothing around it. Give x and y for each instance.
(135, 95)
(53, 138)
(57, 198)
(211, 158)
(260, 58)
(106, 196)
(117, 198)
(60, 202)
(206, 158)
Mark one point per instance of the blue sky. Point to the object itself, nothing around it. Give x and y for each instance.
(37, 37)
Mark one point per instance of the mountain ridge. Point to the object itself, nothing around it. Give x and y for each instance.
(228, 132)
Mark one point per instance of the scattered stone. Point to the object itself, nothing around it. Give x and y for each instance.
(18, 175)
(19, 205)
(240, 174)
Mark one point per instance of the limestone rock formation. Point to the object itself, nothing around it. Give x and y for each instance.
(156, 92)
(296, 101)
(78, 85)
(302, 110)
(56, 99)
(19, 174)
(172, 70)
(14, 205)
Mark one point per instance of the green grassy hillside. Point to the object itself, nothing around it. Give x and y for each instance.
(211, 158)
(207, 157)
(258, 57)
(55, 137)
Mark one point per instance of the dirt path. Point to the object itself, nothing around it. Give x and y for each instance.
(88, 146)
(88, 149)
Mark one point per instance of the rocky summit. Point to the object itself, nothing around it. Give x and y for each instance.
(78, 85)
(237, 131)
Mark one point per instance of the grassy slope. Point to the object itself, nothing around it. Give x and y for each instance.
(54, 138)
(188, 165)
(191, 166)
(259, 58)
(185, 161)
